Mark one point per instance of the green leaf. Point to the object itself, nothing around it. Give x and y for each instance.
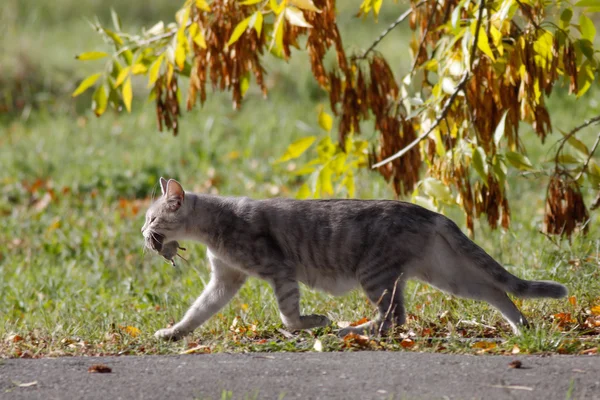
(480, 164)
(568, 159)
(245, 83)
(499, 133)
(565, 18)
(297, 148)
(519, 161)
(115, 19)
(91, 55)
(577, 144)
(115, 38)
(239, 30)
(86, 84)
(585, 78)
(325, 121)
(586, 26)
(437, 190)
(127, 94)
(100, 100)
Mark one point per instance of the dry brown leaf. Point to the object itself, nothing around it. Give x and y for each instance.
(515, 349)
(407, 343)
(573, 300)
(100, 369)
(593, 350)
(360, 321)
(14, 338)
(515, 364)
(354, 339)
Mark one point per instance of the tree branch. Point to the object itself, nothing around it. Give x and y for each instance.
(394, 24)
(587, 162)
(439, 119)
(564, 140)
(448, 104)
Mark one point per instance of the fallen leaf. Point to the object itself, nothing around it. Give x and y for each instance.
(28, 384)
(407, 343)
(573, 300)
(354, 339)
(200, 349)
(262, 341)
(593, 350)
(515, 364)
(131, 330)
(100, 369)
(14, 338)
(483, 346)
(595, 310)
(318, 346)
(360, 321)
(515, 387)
(563, 319)
(515, 349)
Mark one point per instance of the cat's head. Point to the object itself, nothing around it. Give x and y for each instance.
(165, 219)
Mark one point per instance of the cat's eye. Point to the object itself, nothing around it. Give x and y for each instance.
(152, 219)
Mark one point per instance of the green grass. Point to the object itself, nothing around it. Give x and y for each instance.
(73, 190)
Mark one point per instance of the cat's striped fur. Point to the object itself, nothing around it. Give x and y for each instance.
(331, 245)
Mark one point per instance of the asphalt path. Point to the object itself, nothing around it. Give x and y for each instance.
(349, 375)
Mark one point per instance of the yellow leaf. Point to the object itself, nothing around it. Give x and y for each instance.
(305, 5)
(131, 330)
(303, 192)
(124, 73)
(595, 310)
(203, 5)
(200, 349)
(297, 148)
(324, 185)
(86, 84)
(100, 100)
(296, 17)
(325, 121)
(250, 2)
(573, 301)
(377, 6)
(258, 22)
(197, 35)
(170, 71)
(155, 70)
(245, 84)
(238, 31)
(277, 8)
(139, 69)
(180, 51)
(127, 94)
(91, 55)
(484, 45)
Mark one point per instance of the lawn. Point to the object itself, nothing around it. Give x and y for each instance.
(74, 278)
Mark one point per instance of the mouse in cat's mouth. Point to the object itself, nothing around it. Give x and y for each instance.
(167, 250)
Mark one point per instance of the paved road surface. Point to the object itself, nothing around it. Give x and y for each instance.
(360, 375)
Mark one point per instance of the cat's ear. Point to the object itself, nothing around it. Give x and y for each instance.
(175, 194)
(163, 185)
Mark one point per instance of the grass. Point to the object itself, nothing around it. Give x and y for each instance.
(74, 278)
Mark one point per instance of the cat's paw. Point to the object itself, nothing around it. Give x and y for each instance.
(169, 334)
(367, 329)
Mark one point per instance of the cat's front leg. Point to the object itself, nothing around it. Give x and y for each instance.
(224, 283)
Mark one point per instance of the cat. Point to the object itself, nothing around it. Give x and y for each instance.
(331, 245)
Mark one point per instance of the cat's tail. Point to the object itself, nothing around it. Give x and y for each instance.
(500, 276)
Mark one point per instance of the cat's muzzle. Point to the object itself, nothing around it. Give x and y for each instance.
(155, 241)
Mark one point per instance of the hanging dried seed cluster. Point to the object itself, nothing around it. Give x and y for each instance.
(565, 210)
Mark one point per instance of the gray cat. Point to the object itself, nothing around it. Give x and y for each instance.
(331, 245)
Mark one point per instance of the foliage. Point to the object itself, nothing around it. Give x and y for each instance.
(479, 70)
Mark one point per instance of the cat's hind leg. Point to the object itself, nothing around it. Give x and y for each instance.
(224, 283)
(387, 294)
(509, 310)
(288, 300)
